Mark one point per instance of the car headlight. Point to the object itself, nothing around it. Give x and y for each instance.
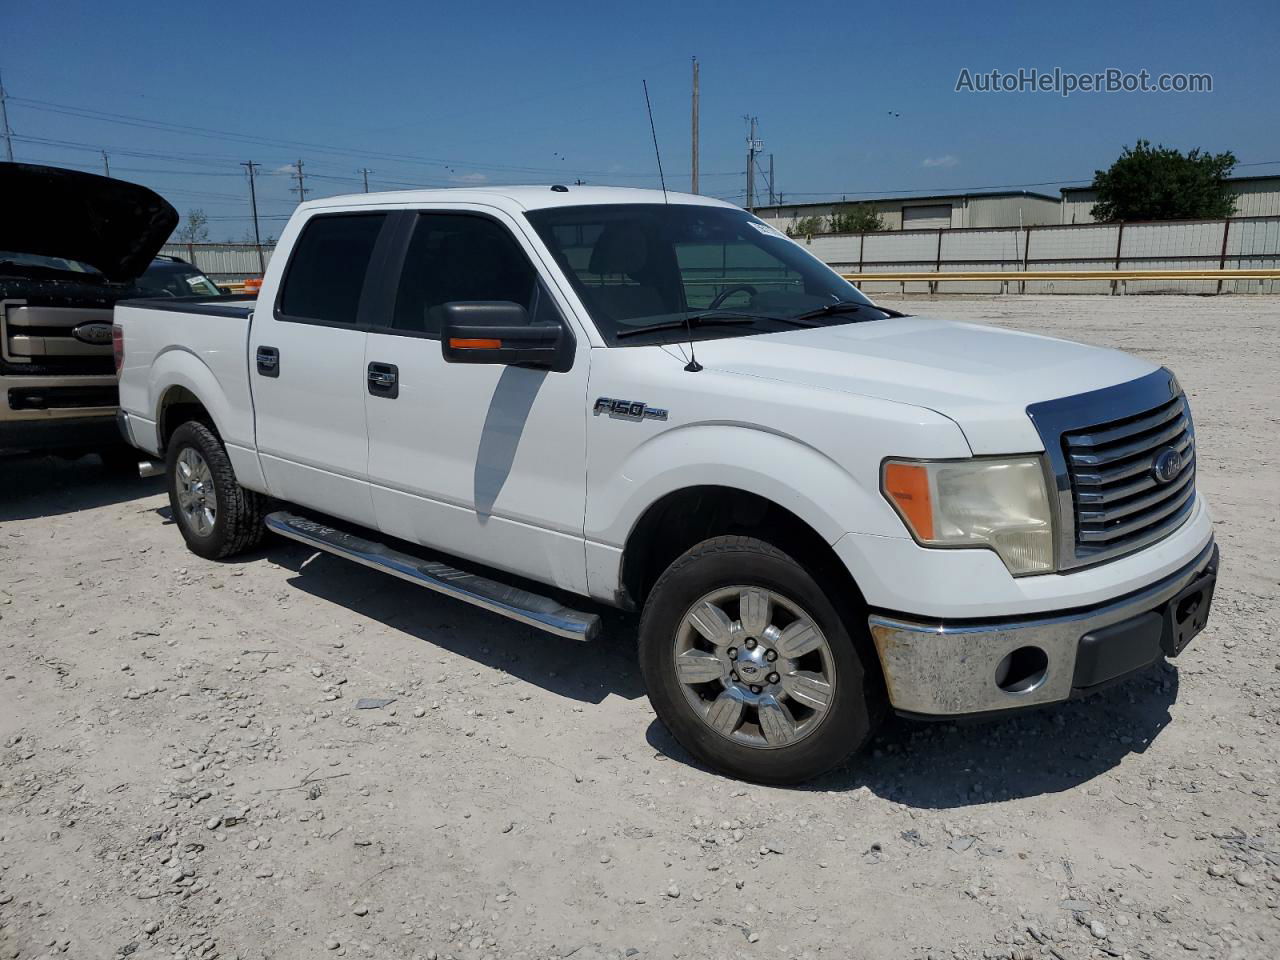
(999, 503)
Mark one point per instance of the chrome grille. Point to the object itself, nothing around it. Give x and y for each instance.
(1120, 502)
(1101, 449)
(49, 335)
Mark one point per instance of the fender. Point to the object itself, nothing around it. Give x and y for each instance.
(763, 462)
(178, 366)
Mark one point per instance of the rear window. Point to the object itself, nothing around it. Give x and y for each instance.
(326, 273)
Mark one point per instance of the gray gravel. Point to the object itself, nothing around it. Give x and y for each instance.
(184, 771)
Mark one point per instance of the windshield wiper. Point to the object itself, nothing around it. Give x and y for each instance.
(843, 306)
(740, 317)
(797, 321)
(696, 320)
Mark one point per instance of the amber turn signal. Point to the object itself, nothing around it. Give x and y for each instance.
(463, 343)
(907, 485)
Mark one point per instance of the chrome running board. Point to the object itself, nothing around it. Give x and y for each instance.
(511, 602)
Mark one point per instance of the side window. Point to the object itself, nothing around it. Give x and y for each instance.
(326, 272)
(457, 257)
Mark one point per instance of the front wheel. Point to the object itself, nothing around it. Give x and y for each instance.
(751, 667)
(217, 516)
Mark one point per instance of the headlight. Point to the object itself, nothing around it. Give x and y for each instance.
(998, 503)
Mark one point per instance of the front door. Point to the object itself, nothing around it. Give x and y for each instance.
(482, 461)
(306, 360)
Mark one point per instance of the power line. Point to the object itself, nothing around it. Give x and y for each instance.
(4, 124)
(693, 175)
(754, 146)
(251, 167)
(301, 189)
(86, 113)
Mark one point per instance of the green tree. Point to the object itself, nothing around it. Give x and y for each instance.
(1160, 183)
(194, 228)
(858, 218)
(807, 227)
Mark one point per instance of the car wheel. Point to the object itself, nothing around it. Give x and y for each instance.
(217, 516)
(751, 667)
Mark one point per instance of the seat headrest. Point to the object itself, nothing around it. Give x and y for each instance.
(621, 248)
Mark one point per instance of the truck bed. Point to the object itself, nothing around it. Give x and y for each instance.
(240, 305)
(199, 344)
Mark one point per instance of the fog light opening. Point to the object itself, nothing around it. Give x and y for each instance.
(1022, 670)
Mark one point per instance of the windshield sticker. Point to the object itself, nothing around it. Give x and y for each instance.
(764, 228)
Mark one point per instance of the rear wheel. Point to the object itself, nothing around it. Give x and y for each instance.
(216, 516)
(751, 667)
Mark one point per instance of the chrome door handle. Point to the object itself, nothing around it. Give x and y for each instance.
(384, 380)
(268, 359)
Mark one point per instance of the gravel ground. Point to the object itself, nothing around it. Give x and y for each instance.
(187, 769)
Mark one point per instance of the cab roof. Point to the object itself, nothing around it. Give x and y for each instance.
(534, 197)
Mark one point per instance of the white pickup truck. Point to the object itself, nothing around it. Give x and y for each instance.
(543, 399)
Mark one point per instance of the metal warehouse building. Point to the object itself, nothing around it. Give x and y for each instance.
(1017, 208)
(1255, 197)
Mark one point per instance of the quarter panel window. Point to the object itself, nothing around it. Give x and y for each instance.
(327, 270)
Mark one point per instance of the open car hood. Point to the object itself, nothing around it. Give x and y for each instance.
(113, 226)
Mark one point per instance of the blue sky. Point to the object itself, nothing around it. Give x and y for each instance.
(852, 98)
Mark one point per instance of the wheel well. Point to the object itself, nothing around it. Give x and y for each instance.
(177, 406)
(686, 517)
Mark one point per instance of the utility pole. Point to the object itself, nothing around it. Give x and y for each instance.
(365, 171)
(106, 164)
(4, 125)
(252, 167)
(693, 178)
(772, 201)
(754, 147)
(301, 189)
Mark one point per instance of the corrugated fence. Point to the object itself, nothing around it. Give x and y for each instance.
(1244, 242)
(1207, 245)
(224, 262)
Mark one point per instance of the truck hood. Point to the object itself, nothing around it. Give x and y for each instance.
(981, 377)
(115, 227)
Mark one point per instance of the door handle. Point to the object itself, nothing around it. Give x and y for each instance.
(268, 361)
(384, 380)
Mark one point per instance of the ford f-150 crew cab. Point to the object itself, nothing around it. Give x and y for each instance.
(72, 245)
(823, 509)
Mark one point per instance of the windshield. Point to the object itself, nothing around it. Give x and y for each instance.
(60, 264)
(644, 270)
(166, 279)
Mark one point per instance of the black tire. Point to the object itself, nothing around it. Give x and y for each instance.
(237, 524)
(858, 700)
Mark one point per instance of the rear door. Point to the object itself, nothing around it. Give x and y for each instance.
(484, 461)
(306, 357)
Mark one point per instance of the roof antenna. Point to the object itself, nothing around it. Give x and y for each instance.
(693, 366)
(648, 106)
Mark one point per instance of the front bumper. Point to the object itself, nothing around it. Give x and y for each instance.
(953, 668)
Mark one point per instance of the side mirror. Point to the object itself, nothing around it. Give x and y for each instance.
(498, 331)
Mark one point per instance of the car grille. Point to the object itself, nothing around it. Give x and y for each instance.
(44, 340)
(1122, 499)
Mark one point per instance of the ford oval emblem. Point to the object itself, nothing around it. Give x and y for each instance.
(1167, 465)
(98, 334)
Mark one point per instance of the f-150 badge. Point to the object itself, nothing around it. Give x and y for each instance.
(627, 409)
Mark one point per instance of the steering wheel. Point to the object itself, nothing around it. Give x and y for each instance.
(726, 294)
